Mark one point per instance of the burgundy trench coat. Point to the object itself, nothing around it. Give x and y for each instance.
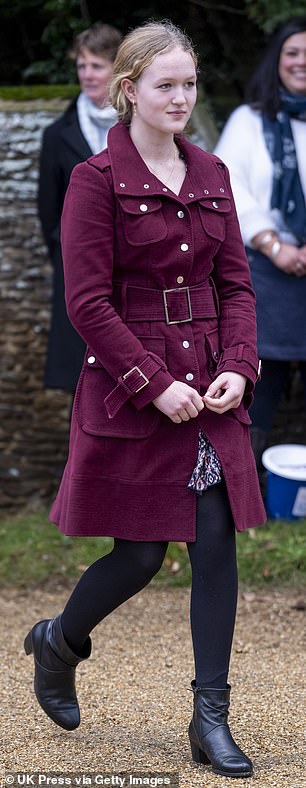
(140, 262)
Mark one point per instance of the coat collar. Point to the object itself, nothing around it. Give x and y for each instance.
(132, 177)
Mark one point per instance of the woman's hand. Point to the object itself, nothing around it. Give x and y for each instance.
(179, 402)
(291, 259)
(225, 392)
(300, 269)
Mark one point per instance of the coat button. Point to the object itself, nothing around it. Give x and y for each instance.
(180, 214)
(185, 343)
(191, 194)
(143, 207)
(215, 204)
(215, 355)
(206, 191)
(91, 359)
(221, 190)
(180, 280)
(189, 376)
(122, 185)
(165, 189)
(184, 247)
(146, 186)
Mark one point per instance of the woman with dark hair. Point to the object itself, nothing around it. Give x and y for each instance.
(264, 146)
(158, 285)
(81, 131)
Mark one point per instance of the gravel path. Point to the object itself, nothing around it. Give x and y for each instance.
(134, 696)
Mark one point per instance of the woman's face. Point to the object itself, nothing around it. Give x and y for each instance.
(94, 73)
(292, 64)
(165, 93)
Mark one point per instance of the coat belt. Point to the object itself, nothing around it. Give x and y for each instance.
(175, 305)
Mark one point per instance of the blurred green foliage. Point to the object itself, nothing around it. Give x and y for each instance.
(229, 35)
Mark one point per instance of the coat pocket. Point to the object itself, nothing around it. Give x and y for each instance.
(213, 211)
(143, 220)
(95, 384)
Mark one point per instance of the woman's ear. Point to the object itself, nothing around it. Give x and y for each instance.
(129, 89)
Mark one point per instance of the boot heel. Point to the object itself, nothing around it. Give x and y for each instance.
(28, 644)
(198, 755)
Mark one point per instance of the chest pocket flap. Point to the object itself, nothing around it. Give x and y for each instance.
(143, 220)
(213, 211)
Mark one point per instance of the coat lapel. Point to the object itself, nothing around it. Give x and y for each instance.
(72, 135)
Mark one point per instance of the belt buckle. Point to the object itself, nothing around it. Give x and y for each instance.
(142, 375)
(177, 290)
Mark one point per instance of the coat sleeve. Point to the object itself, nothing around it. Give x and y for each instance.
(237, 321)
(88, 226)
(50, 190)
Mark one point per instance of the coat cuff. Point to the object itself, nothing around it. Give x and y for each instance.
(240, 359)
(137, 381)
(161, 381)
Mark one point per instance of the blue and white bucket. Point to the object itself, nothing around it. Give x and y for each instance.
(286, 481)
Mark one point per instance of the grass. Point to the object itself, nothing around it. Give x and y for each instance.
(33, 552)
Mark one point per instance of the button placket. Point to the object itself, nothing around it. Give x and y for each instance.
(182, 212)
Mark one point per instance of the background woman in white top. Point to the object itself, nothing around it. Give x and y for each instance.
(264, 146)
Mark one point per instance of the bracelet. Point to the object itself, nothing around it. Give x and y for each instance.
(275, 248)
(266, 239)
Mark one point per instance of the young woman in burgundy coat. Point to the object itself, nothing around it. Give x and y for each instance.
(158, 286)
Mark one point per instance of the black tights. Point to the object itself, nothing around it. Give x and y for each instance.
(269, 390)
(130, 566)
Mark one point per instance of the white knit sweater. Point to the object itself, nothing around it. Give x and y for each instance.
(242, 147)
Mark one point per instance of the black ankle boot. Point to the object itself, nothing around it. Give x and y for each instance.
(210, 737)
(55, 664)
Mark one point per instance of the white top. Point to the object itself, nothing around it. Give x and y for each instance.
(242, 147)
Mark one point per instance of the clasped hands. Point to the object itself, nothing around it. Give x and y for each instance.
(291, 259)
(180, 402)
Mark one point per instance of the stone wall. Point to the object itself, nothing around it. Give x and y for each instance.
(34, 422)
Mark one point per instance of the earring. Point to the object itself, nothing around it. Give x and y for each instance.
(134, 108)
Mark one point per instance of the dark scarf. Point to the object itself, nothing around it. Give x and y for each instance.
(287, 193)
